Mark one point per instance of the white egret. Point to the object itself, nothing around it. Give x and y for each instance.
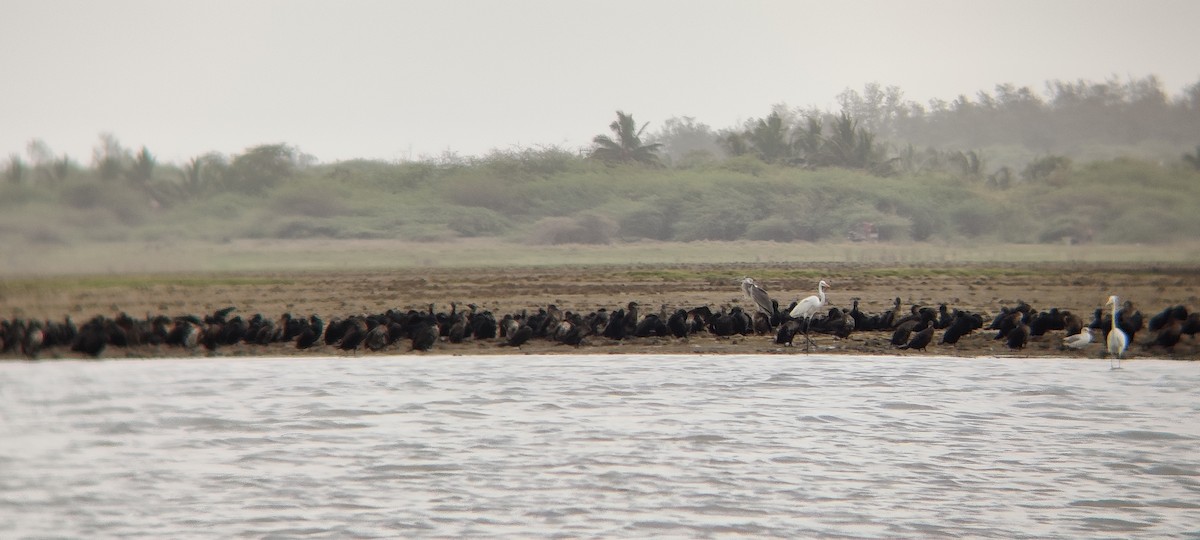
(1117, 341)
(806, 308)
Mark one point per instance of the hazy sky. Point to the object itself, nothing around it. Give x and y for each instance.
(394, 79)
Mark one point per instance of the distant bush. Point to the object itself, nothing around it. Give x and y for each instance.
(477, 190)
(745, 164)
(83, 196)
(975, 218)
(775, 229)
(551, 196)
(479, 222)
(1147, 225)
(1065, 228)
(317, 203)
(306, 228)
(129, 206)
(584, 229)
(44, 236)
(530, 162)
(718, 224)
(647, 220)
(1049, 168)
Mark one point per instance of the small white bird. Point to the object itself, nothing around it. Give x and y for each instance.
(806, 308)
(1117, 340)
(1078, 341)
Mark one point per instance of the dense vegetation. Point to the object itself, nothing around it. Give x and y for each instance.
(1095, 163)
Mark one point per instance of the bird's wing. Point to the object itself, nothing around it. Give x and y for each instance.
(761, 298)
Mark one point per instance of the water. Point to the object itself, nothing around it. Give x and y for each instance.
(599, 446)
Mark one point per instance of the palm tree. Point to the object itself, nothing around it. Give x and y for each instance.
(627, 145)
(770, 139)
(143, 167)
(841, 148)
(808, 141)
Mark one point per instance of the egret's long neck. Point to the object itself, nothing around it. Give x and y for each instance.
(821, 292)
(1115, 310)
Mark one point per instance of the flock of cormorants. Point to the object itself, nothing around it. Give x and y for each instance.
(423, 330)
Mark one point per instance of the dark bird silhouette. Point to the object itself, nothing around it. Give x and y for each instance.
(902, 332)
(307, 338)
(355, 331)
(483, 325)
(1170, 330)
(787, 332)
(458, 329)
(839, 323)
(678, 324)
(1072, 324)
(1169, 334)
(962, 325)
(1191, 325)
(576, 331)
(862, 321)
(631, 318)
(887, 320)
(33, 340)
(721, 324)
(1162, 318)
(921, 338)
(1018, 336)
(915, 323)
(1130, 320)
(376, 338)
(762, 323)
(425, 336)
(651, 325)
(1011, 320)
(519, 337)
(615, 329)
(1043, 322)
(508, 325)
(334, 331)
(91, 339)
(742, 322)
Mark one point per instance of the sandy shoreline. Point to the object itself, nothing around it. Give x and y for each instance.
(982, 288)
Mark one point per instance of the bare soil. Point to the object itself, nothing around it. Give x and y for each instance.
(983, 289)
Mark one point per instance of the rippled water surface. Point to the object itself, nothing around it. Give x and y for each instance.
(600, 446)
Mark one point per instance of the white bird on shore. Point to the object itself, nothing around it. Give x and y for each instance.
(1078, 341)
(1117, 340)
(806, 308)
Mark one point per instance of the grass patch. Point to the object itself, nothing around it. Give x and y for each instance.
(139, 282)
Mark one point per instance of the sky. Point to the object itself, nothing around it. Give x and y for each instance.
(397, 80)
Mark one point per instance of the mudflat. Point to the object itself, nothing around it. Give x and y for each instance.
(983, 288)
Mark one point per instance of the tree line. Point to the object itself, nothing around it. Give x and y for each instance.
(879, 129)
(791, 175)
